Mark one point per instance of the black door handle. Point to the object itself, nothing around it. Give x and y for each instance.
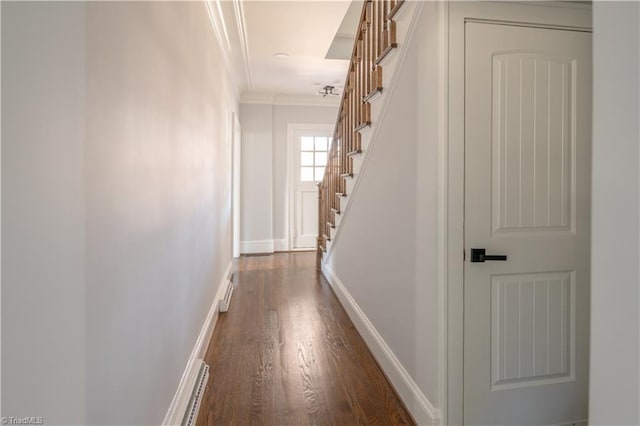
(479, 255)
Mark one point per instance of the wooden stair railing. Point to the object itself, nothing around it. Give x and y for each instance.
(376, 37)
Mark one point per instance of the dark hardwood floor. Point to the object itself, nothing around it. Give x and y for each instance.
(286, 353)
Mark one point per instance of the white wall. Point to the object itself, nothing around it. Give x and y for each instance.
(615, 303)
(256, 193)
(388, 261)
(264, 186)
(43, 212)
(116, 204)
(158, 199)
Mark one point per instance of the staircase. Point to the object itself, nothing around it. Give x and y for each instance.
(383, 28)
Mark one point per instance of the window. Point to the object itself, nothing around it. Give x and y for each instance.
(313, 157)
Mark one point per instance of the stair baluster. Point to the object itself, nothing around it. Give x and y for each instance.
(375, 38)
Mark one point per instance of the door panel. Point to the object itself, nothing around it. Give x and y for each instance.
(307, 216)
(531, 329)
(310, 156)
(532, 162)
(309, 223)
(527, 195)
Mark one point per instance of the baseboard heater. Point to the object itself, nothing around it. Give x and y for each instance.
(226, 300)
(196, 396)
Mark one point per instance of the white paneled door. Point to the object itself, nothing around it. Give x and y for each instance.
(527, 197)
(310, 159)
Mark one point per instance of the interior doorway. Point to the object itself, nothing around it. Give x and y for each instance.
(308, 145)
(527, 224)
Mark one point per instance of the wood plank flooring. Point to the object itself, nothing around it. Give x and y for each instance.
(286, 353)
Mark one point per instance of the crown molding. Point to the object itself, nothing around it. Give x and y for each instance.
(289, 100)
(231, 37)
(241, 24)
(219, 29)
(257, 98)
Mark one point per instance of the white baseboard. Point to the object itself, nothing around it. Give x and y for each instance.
(281, 245)
(180, 400)
(423, 412)
(261, 246)
(584, 422)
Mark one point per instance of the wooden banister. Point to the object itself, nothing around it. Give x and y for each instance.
(375, 38)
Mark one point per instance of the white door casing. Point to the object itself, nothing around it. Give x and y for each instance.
(303, 139)
(527, 195)
(237, 157)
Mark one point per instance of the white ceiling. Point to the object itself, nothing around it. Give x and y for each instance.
(302, 29)
(312, 33)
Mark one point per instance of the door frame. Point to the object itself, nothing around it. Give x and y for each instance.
(556, 15)
(236, 173)
(290, 206)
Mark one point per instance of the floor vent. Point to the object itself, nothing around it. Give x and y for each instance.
(226, 300)
(191, 415)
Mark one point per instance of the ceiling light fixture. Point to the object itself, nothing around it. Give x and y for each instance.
(328, 90)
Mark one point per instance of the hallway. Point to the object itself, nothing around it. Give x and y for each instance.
(287, 353)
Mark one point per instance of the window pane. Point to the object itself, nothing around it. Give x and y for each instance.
(321, 158)
(321, 144)
(306, 174)
(306, 158)
(306, 143)
(319, 173)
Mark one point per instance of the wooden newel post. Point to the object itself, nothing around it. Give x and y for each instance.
(320, 219)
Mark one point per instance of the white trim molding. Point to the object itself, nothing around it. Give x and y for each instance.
(443, 200)
(180, 400)
(281, 244)
(241, 24)
(583, 422)
(236, 179)
(260, 246)
(229, 28)
(0, 222)
(421, 409)
(289, 100)
(257, 98)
